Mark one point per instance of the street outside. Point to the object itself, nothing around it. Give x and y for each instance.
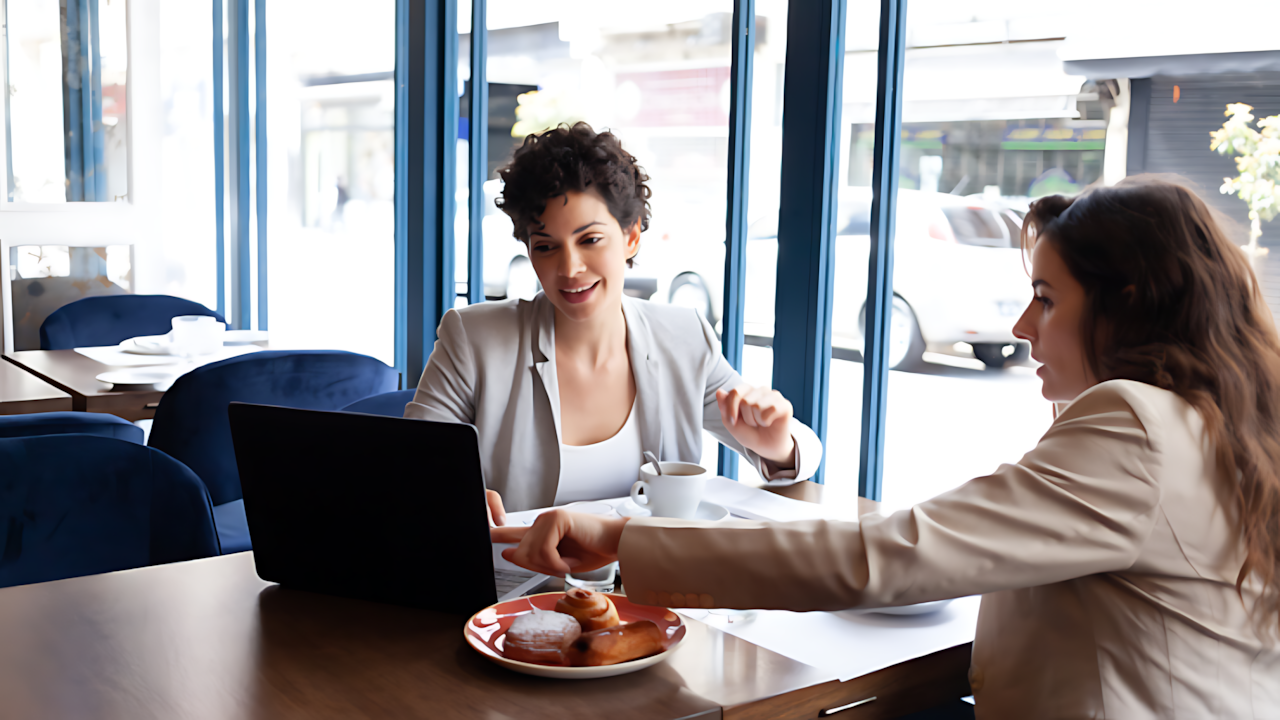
(947, 423)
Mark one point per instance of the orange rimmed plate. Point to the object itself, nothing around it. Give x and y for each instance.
(487, 629)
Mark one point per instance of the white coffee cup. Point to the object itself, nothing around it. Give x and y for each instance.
(196, 335)
(675, 493)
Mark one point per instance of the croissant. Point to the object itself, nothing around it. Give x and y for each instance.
(541, 637)
(592, 610)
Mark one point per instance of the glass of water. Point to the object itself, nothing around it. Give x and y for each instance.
(601, 580)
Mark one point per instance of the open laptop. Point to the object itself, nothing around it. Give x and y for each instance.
(369, 507)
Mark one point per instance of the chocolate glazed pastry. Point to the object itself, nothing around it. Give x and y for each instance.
(591, 609)
(614, 645)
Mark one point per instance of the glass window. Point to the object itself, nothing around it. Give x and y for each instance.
(763, 192)
(331, 175)
(187, 210)
(658, 77)
(988, 125)
(66, 68)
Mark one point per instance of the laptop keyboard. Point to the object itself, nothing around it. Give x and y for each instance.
(505, 581)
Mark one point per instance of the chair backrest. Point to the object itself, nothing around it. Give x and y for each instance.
(112, 319)
(76, 505)
(63, 423)
(389, 404)
(192, 425)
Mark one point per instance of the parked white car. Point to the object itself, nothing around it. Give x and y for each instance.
(958, 276)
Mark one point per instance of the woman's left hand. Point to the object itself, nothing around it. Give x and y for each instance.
(760, 419)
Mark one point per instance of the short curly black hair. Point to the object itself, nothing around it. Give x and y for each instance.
(573, 158)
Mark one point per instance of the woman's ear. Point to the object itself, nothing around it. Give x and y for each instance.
(633, 239)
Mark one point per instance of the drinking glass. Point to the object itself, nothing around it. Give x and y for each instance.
(601, 580)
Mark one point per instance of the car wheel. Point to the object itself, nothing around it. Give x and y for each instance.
(997, 355)
(906, 344)
(688, 290)
(522, 281)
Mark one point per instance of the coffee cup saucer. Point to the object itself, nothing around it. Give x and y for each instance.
(708, 511)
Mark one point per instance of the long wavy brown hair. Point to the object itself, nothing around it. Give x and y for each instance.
(1173, 303)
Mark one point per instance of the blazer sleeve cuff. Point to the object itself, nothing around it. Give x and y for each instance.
(808, 457)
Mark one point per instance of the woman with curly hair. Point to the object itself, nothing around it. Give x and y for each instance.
(1129, 564)
(568, 389)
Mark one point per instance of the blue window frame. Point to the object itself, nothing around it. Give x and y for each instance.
(426, 142)
(426, 175)
(235, 23)
(884, 197)
(735, 256)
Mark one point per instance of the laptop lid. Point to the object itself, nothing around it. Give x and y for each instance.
(366, 506)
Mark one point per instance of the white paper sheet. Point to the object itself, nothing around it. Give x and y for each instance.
(756, 504)
(112, 355)
(852, 643)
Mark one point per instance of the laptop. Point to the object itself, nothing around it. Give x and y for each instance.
(369, 507)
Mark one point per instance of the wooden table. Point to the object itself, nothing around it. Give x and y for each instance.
(209, 639)
(76, 375)
(21, 392)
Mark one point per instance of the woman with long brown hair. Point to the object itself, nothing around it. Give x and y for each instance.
(1130, 562)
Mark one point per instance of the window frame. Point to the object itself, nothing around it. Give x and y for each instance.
(426, 135)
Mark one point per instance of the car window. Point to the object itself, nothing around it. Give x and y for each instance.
(976, 226)
(1014, 224)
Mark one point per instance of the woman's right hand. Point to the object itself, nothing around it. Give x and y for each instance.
(560, 541)
(493, 504)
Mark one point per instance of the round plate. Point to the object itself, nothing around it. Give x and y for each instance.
(487, 629)
(917, 609)
(708, 511)
(138, 376)
(243, 337)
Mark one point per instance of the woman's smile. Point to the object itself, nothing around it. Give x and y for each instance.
(581, 293)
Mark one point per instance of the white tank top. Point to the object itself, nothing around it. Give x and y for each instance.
(606, 469)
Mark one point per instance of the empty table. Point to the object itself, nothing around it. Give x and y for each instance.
(21, 392)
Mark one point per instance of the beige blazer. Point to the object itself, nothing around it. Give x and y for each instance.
(494, 366)
(1105, 556)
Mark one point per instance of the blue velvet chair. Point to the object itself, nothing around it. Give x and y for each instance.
(63, 423)
(112, 319)
(192, 425)
(389, 404)
(74, 505)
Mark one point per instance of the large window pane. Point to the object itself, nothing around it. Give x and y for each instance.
(988, 125)
(331, 175)
(763, 188)
(187, 212)
(656, 74)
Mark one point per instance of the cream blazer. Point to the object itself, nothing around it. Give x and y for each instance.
(1106, 558)
(494, 366)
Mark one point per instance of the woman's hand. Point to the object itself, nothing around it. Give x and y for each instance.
(560, 541)
(493, 504)
(760, 419)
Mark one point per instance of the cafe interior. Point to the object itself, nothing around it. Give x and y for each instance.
(233, 233)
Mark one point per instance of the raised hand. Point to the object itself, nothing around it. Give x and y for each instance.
(760, 419)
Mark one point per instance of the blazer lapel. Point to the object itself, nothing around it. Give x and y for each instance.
(544, 359)
(644, 367)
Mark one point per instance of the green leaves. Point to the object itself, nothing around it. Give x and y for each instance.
(1258, 183)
